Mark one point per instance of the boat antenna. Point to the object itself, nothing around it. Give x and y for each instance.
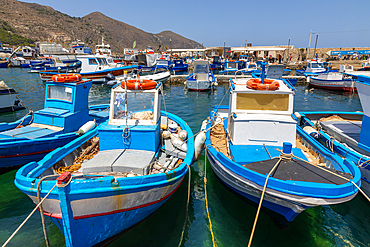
(314, 51)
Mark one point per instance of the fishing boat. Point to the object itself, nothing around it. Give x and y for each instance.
(4, 64)
(56, 65)
(216, 63)
(8, 99)
(257, 150)
(332, 81)
(230, 67)
(201, 78)
(346, 133)
(179, 65)
(159, 75)
(117, 175)
(314, 66)
(36, 134)
(94, 68)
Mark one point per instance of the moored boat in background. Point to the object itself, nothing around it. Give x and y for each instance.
(202, 78)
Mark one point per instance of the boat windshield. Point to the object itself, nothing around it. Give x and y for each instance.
(101, 61)
(317, 65)
(201, 68)
(232, 66)
(136, 103)
(60, 93)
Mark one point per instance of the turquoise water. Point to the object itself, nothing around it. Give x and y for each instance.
(232, 218)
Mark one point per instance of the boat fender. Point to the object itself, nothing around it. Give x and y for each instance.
(311, 131)
(166, 134)
(179, 144)
(204, 125)
(199, 144)
(183, 134)
(172, 127)
(86, 127)
(216, 84)
(298, 116)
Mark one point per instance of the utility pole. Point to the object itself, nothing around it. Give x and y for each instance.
(309, 44)
(314, 51)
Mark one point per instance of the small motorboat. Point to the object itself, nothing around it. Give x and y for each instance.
(346, 133)
(202, 78)
(256, 148)
(36, 134)
(8, 99)
(332, 81)
(179, 65)
(116, 175)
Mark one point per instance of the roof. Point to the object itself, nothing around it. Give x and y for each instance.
(185, 50)
(257, 48)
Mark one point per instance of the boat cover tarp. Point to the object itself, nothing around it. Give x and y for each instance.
(298, 170)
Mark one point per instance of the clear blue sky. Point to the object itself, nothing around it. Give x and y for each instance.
(271, 22)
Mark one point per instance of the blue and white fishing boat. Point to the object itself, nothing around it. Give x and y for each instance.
(56, 65)
(94, 68)
(314, 66)
(255, 142)
(118, 174)
(179, 65)
(216, 63)
(66, 111)
(346, 133)
(230, 67)
(202, 78)
(332, 81)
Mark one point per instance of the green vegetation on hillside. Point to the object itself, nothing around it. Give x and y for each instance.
(7, 36)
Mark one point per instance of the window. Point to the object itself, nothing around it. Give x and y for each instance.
(60, 93)
(136, 102)
(92, 61)
(201, 68)
(272, 102)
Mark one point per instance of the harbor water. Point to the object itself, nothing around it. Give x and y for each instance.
(346, 224)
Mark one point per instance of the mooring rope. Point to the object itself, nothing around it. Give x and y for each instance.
(205, 195)
(29, 216)
(187, 207)
(42, 210)
(283, 156)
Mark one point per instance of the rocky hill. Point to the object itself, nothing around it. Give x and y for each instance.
(43, 23)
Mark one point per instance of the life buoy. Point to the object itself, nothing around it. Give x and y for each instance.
(139, 84)
(66, 78)
(268, 84)
(140, 52)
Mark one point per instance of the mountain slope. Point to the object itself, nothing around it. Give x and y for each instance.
(43, 23)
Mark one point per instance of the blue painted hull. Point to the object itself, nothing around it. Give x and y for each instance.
(3, 64)
(287, 198)
(93, 208)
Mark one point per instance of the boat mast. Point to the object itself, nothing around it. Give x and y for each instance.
(309, 45)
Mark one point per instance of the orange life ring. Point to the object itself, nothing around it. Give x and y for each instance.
(268, 84)
(140, 52)
(66, 78)
(139, 84)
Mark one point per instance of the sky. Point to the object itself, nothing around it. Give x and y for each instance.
(335, 23)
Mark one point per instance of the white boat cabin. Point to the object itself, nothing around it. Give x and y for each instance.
(267, 113)
(103, 49)
(315, 66)
(92, 63)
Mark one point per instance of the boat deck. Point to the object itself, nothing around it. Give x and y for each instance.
(297, 170)
(119, 160)
(344, 130)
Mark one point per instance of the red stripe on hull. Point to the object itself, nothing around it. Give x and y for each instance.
(18, 155)
(349, 89)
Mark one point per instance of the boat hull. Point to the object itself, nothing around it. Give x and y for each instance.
(340, 85)
(196, 85)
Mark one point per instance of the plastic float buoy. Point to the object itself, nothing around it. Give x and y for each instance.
(139, 84)
(66, 78)
(86, 127)
(199, 141)
(268, 84)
